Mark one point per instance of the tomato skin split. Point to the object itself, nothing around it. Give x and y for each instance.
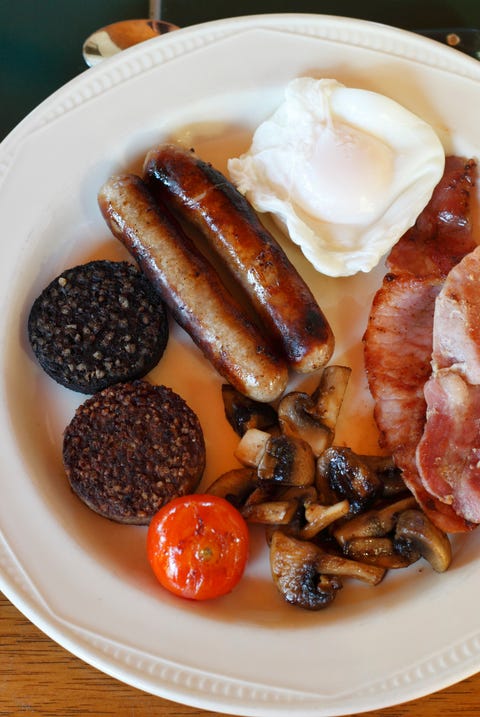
(197, 546)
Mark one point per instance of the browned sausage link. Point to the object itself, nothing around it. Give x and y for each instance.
(191, 289)
(206, 198)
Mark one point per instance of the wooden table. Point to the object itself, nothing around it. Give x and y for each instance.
(38, 677)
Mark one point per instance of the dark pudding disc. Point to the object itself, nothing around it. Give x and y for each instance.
(98, 324)
(131, 448)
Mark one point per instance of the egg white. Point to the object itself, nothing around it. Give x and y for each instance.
(345, 172)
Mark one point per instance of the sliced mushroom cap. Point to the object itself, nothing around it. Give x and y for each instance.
(243, 413)
(302, 493)
(287, 461)
(375, 523)
(390, 476)
(296, 575)
(295, 420)
(326, 495)
(349, 477)
(378, 551)
(261, 494)
(235, 485)
(415, 532)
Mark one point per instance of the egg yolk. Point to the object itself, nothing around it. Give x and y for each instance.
(344, 177)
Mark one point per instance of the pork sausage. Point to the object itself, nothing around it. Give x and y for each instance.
(191, 289)
(207, 199)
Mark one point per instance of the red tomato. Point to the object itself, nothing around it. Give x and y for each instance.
(197, 546)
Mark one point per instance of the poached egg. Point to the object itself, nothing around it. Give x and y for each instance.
(344, 172)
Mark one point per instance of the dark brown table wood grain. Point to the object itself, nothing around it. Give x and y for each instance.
(38, 677)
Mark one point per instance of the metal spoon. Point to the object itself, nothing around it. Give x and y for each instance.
(109, 40)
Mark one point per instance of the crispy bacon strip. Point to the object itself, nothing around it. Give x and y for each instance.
(399, 337)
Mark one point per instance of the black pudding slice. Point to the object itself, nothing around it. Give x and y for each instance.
(131, 448)
(98, 324)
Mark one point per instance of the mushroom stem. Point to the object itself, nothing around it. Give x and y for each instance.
(328, 397)
(252, 447)
(235, 485)
(274, 512)
(319, 517)
(337, 565)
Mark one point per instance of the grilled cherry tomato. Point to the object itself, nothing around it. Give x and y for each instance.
(197, 546)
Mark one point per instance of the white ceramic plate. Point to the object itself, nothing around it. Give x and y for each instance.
(84, 580)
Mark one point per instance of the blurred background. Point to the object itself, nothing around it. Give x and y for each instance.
(41, 40)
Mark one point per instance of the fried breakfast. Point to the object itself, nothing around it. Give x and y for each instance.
(350, 176)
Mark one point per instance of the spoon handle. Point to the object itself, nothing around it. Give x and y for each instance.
(155, 9)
